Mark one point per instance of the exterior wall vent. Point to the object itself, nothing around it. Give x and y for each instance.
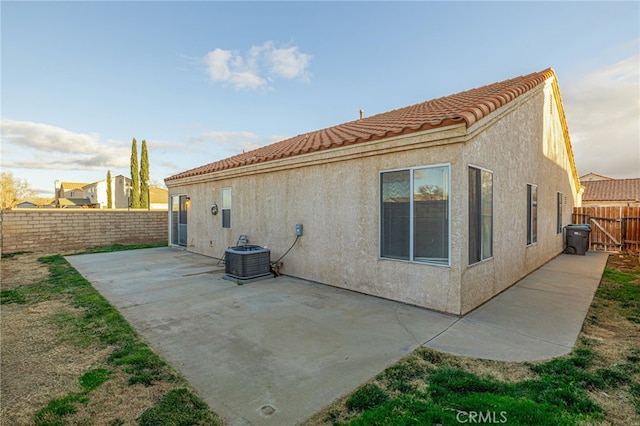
(247, 262)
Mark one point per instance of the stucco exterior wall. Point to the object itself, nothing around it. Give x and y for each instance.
(338, 204)
(336, 196)
(524, 145)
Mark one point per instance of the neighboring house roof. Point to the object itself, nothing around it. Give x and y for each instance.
(612, 190)
(72, 185)
(26, 205)
(593, 176)
(466, 107)
(158, 195)
(74, 202)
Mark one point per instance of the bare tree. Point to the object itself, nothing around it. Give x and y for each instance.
(13, 190)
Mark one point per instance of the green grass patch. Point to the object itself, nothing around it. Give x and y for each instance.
(94, 378)
(367, 396)
(624, 288)
(55, 411)
(179, 407)
(557, 396)
(12, 296)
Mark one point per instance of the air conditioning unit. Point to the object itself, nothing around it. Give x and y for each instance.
(247, 262)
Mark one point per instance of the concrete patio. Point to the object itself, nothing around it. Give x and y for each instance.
(277, 351)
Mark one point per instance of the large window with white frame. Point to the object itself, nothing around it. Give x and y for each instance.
(480, 214)
(532, 214)
(414, 214)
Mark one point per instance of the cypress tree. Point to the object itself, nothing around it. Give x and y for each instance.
(135, 184)
(109, 193)
(144, 177)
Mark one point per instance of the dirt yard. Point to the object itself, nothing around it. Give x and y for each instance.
(42, 359)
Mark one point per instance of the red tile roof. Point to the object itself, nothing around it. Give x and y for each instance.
(465, 107)
(612, 190)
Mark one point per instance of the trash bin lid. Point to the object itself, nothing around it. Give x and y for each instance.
(584, 226)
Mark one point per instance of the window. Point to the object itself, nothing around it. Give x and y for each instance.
(532, 214)
(226, 207)
(414, 216)
(559, 214)
(480, 214)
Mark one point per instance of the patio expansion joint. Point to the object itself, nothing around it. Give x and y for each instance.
(395, 310)
(442, 332)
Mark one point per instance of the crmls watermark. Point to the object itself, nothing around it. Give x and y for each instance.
(482, 417)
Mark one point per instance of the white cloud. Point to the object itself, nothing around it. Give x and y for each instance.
(602, 111)
(260, 65)
(30, 145)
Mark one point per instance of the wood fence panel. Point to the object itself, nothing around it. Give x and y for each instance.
(613, 228)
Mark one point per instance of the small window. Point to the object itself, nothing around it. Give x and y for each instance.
(559, 214)
(480, 214)
(532, 214)
(226, 207)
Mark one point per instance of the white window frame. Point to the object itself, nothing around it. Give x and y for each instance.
(411, 213)
(482, 254)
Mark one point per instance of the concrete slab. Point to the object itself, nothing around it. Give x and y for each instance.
(538, 318)
(283, 345)
(277, 351)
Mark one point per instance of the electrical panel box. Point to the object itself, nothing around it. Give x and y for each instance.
(298, 229)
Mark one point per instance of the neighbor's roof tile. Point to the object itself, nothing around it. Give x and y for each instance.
(612, 190)
(465, 107)
(72, 185)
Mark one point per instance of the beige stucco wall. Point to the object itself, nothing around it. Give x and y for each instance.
(523, 145)
(338, 204)
(335, 195)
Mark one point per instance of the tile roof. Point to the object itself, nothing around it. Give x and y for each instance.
(612, 190)
(72, 185)
(465, 107)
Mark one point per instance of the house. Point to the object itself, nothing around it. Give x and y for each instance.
(593, 176)
(70, 190)
(158, 198)
(76, 203)
(26, 205)
(442, 204)
(120, 187)
(611, 192)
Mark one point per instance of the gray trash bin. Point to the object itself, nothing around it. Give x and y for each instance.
(577, 238)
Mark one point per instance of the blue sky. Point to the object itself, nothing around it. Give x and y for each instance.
(201, 81)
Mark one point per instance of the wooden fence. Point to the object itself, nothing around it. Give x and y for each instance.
(612, 228)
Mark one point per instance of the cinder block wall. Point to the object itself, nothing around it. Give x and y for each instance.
(75, 229)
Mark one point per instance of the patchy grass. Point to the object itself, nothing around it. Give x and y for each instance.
(178, 407)
(622, 287)
(598, 383)
(120, 247)
(86, 321)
